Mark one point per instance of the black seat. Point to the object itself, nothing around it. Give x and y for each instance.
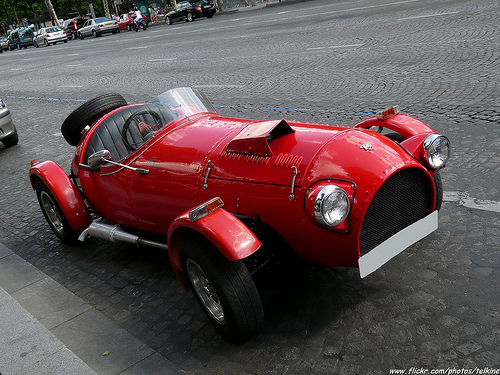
(108, 136)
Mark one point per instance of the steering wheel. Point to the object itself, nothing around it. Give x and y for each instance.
(146, 131)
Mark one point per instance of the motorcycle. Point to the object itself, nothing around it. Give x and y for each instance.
(143, 22)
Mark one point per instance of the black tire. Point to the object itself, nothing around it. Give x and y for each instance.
(11, 140)
(224, 289)
(94, 34)
(36, 44)
(189, 17)
(45, 41)
(80, 36)
(210, 15)
(168, 20)
(54, 214)
(87, 114)
(438, 184)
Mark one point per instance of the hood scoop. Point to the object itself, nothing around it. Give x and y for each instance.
(256, 137)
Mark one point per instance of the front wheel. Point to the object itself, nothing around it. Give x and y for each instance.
(168, 20)
(224, 289)
(55, 215)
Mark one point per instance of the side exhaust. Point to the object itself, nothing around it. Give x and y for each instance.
(113, 233)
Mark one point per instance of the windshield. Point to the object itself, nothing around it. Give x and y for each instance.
(186, 101)
(52, 29)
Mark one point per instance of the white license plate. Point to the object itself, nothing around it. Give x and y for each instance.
(394, 245)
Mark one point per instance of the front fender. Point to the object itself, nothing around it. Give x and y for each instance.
(403, 124)
(64, 191)
(227, 233)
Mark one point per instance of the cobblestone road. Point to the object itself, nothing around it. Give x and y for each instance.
(436, 305)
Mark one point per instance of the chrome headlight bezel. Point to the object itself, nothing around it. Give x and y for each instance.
(436, 151)
(330, 199)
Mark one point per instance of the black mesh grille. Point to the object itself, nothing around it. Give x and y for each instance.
(401, 201)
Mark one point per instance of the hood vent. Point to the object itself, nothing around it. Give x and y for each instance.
(256, 137)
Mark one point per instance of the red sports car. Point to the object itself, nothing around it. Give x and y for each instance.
(215, 191)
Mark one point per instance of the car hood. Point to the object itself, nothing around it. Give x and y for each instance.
(273, 151)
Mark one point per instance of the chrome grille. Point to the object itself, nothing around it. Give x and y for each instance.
(401, 201)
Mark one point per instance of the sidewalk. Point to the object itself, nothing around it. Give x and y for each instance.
(46, 329)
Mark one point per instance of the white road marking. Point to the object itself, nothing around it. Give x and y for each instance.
(463, 199)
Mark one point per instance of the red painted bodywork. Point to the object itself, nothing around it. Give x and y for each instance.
(250, 165)
(64, 191)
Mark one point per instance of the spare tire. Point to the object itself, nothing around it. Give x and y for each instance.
(87, 114)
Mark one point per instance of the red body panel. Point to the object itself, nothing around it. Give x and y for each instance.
(64, 191)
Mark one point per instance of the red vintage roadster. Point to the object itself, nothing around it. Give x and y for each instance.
(213, 190)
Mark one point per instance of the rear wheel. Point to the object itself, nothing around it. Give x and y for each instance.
(55, 215)
(87, 114)
(224, 289)
(189, 17)
(45, 41)
(168, 20)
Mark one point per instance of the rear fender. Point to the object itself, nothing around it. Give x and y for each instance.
(403, 124)
(64, 191)
(227, 233)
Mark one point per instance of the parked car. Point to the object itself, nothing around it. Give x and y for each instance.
(204, 8)
(221, 193)
(19, 38)
(4, 44)
(97, 27)
(49, 35)
(182, 11)
(72, 26)
(8, 132)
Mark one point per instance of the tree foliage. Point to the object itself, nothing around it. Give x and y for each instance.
(13, 11)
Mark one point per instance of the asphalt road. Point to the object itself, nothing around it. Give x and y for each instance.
(436, 306)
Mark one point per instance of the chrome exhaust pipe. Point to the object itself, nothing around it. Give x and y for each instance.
(113, 233)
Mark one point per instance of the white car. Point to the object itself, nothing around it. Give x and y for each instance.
(98, 26)
(8, 132)
(50, 35)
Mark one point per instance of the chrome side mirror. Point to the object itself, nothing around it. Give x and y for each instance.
(99, 158)
(104, 157)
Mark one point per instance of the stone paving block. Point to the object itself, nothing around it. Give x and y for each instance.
(16, 273)
(49, 302)
(91, 334)
(24, 341)
(63, 362)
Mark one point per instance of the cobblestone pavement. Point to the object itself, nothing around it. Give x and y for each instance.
(436, 305)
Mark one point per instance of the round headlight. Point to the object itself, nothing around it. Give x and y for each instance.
(331, 206)
(436, 150)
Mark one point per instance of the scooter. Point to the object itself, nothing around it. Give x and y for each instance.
(143, 22)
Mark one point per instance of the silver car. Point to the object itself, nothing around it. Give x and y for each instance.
(98, 26)
(49, 35)
(8, 132)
